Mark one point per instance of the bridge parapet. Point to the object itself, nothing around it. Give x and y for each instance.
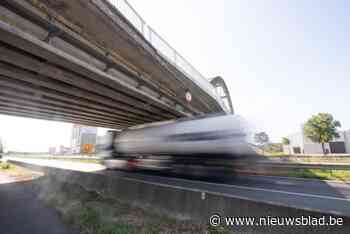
(165, 49)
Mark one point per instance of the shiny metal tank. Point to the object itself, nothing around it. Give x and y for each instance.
(205, 135)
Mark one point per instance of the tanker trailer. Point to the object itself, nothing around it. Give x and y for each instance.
(187, 141)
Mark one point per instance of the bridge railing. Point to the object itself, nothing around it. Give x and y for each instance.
(165, 49)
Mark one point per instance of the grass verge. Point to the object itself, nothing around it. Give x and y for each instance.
(63, 158)
(322, 174)
(309, 158)
(5, 166)
(91, 213)
(18, 172)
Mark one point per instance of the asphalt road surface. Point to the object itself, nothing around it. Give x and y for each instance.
(22, 213)
(322, 196)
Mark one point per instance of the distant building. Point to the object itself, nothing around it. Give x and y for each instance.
(52, 150)
(60, 150)
(300, 144)
(64, 150)
(83, 139)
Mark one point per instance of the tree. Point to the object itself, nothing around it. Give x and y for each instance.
(261, 138)
(286, 141)
(321, 128)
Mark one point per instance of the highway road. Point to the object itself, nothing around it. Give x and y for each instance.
(314, 195)
(322, 196)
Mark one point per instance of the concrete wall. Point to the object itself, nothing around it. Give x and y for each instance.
(296, 140)
(347, 141)
(315, 148)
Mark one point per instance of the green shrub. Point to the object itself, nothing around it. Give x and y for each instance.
(5, 166)
(90, 223)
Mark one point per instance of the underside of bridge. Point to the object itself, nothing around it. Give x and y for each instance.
(82, 62)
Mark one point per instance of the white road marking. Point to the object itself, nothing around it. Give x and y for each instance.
(279, 182)
(262, 189)
(287, 192)
(297, 179)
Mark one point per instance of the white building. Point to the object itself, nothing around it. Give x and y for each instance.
(83, 138)
(300, 144)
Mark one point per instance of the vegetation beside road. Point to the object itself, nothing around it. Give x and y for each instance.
(72, 158)
(322, 128)
(90, 213)
(17, 172)
(322, 159)
(308, 158)
(276, 154)
(5, 166)
(300, 166)
(322, 174)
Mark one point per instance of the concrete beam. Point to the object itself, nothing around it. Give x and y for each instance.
(34, 115)
(108, 17)
(73, 82)
(26, 90)
(33, 99)
(41, 81)
(32, 45)
(56, 114)
(15, 102)
(74, 38)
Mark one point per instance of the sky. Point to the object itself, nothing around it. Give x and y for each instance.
(282, 60)
(35, 135)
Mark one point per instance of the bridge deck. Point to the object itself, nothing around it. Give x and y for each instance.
(80, 61)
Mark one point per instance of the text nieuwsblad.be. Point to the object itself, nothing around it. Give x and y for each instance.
(284, 221)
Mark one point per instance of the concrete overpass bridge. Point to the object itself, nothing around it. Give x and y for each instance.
(94, 62)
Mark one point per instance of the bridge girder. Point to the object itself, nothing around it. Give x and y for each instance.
(49, 70)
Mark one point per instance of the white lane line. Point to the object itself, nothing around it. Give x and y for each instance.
(297, 179)
(279, 182)
(287, 192)
(259, 189)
